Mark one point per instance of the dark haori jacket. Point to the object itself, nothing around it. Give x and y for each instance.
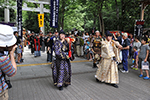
(37, 43)
(61, 49)
(32, 40)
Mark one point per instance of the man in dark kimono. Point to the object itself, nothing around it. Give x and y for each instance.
(47, 42)
(61, 66)
(52, 41)
(32, 42)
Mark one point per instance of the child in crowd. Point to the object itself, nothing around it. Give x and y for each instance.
(87, 43)
(135, 59)
(143, 56)
(19, 50)
(86, 48)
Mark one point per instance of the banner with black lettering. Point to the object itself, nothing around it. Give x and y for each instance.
(54, 11)
(139, 27)
(19, 17)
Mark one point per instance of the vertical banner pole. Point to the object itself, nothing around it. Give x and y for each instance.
(42, 12)
(19, 17)
(54, 11)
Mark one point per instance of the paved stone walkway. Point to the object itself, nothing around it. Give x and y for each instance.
(35, 83)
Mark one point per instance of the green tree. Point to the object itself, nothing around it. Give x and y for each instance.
(30, 21)
(7, 4)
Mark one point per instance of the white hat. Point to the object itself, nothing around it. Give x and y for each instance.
(125, 34)
(97, 31)
(7, 37)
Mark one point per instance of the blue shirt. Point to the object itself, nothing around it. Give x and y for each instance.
(135, 54)
(126, 43)
(87, 46)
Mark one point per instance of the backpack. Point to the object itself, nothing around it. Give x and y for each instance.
(78, 40)
(81, 42)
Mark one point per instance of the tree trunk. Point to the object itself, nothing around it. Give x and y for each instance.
(101, 23)
(123, 12)
(63, 12)
(117, 13)
(94, 21)
(84, 24)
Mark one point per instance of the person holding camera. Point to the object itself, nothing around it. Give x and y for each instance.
(7, 64)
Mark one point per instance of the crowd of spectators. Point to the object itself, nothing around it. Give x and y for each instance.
(134, 47)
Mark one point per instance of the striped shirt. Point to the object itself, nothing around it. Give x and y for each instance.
(7, 68)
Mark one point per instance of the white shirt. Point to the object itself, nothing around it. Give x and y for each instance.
(86, 38)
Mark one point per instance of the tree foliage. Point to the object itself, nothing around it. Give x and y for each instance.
(85, 15)
(7, 4)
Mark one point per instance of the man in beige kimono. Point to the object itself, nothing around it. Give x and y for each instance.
(107, 68)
